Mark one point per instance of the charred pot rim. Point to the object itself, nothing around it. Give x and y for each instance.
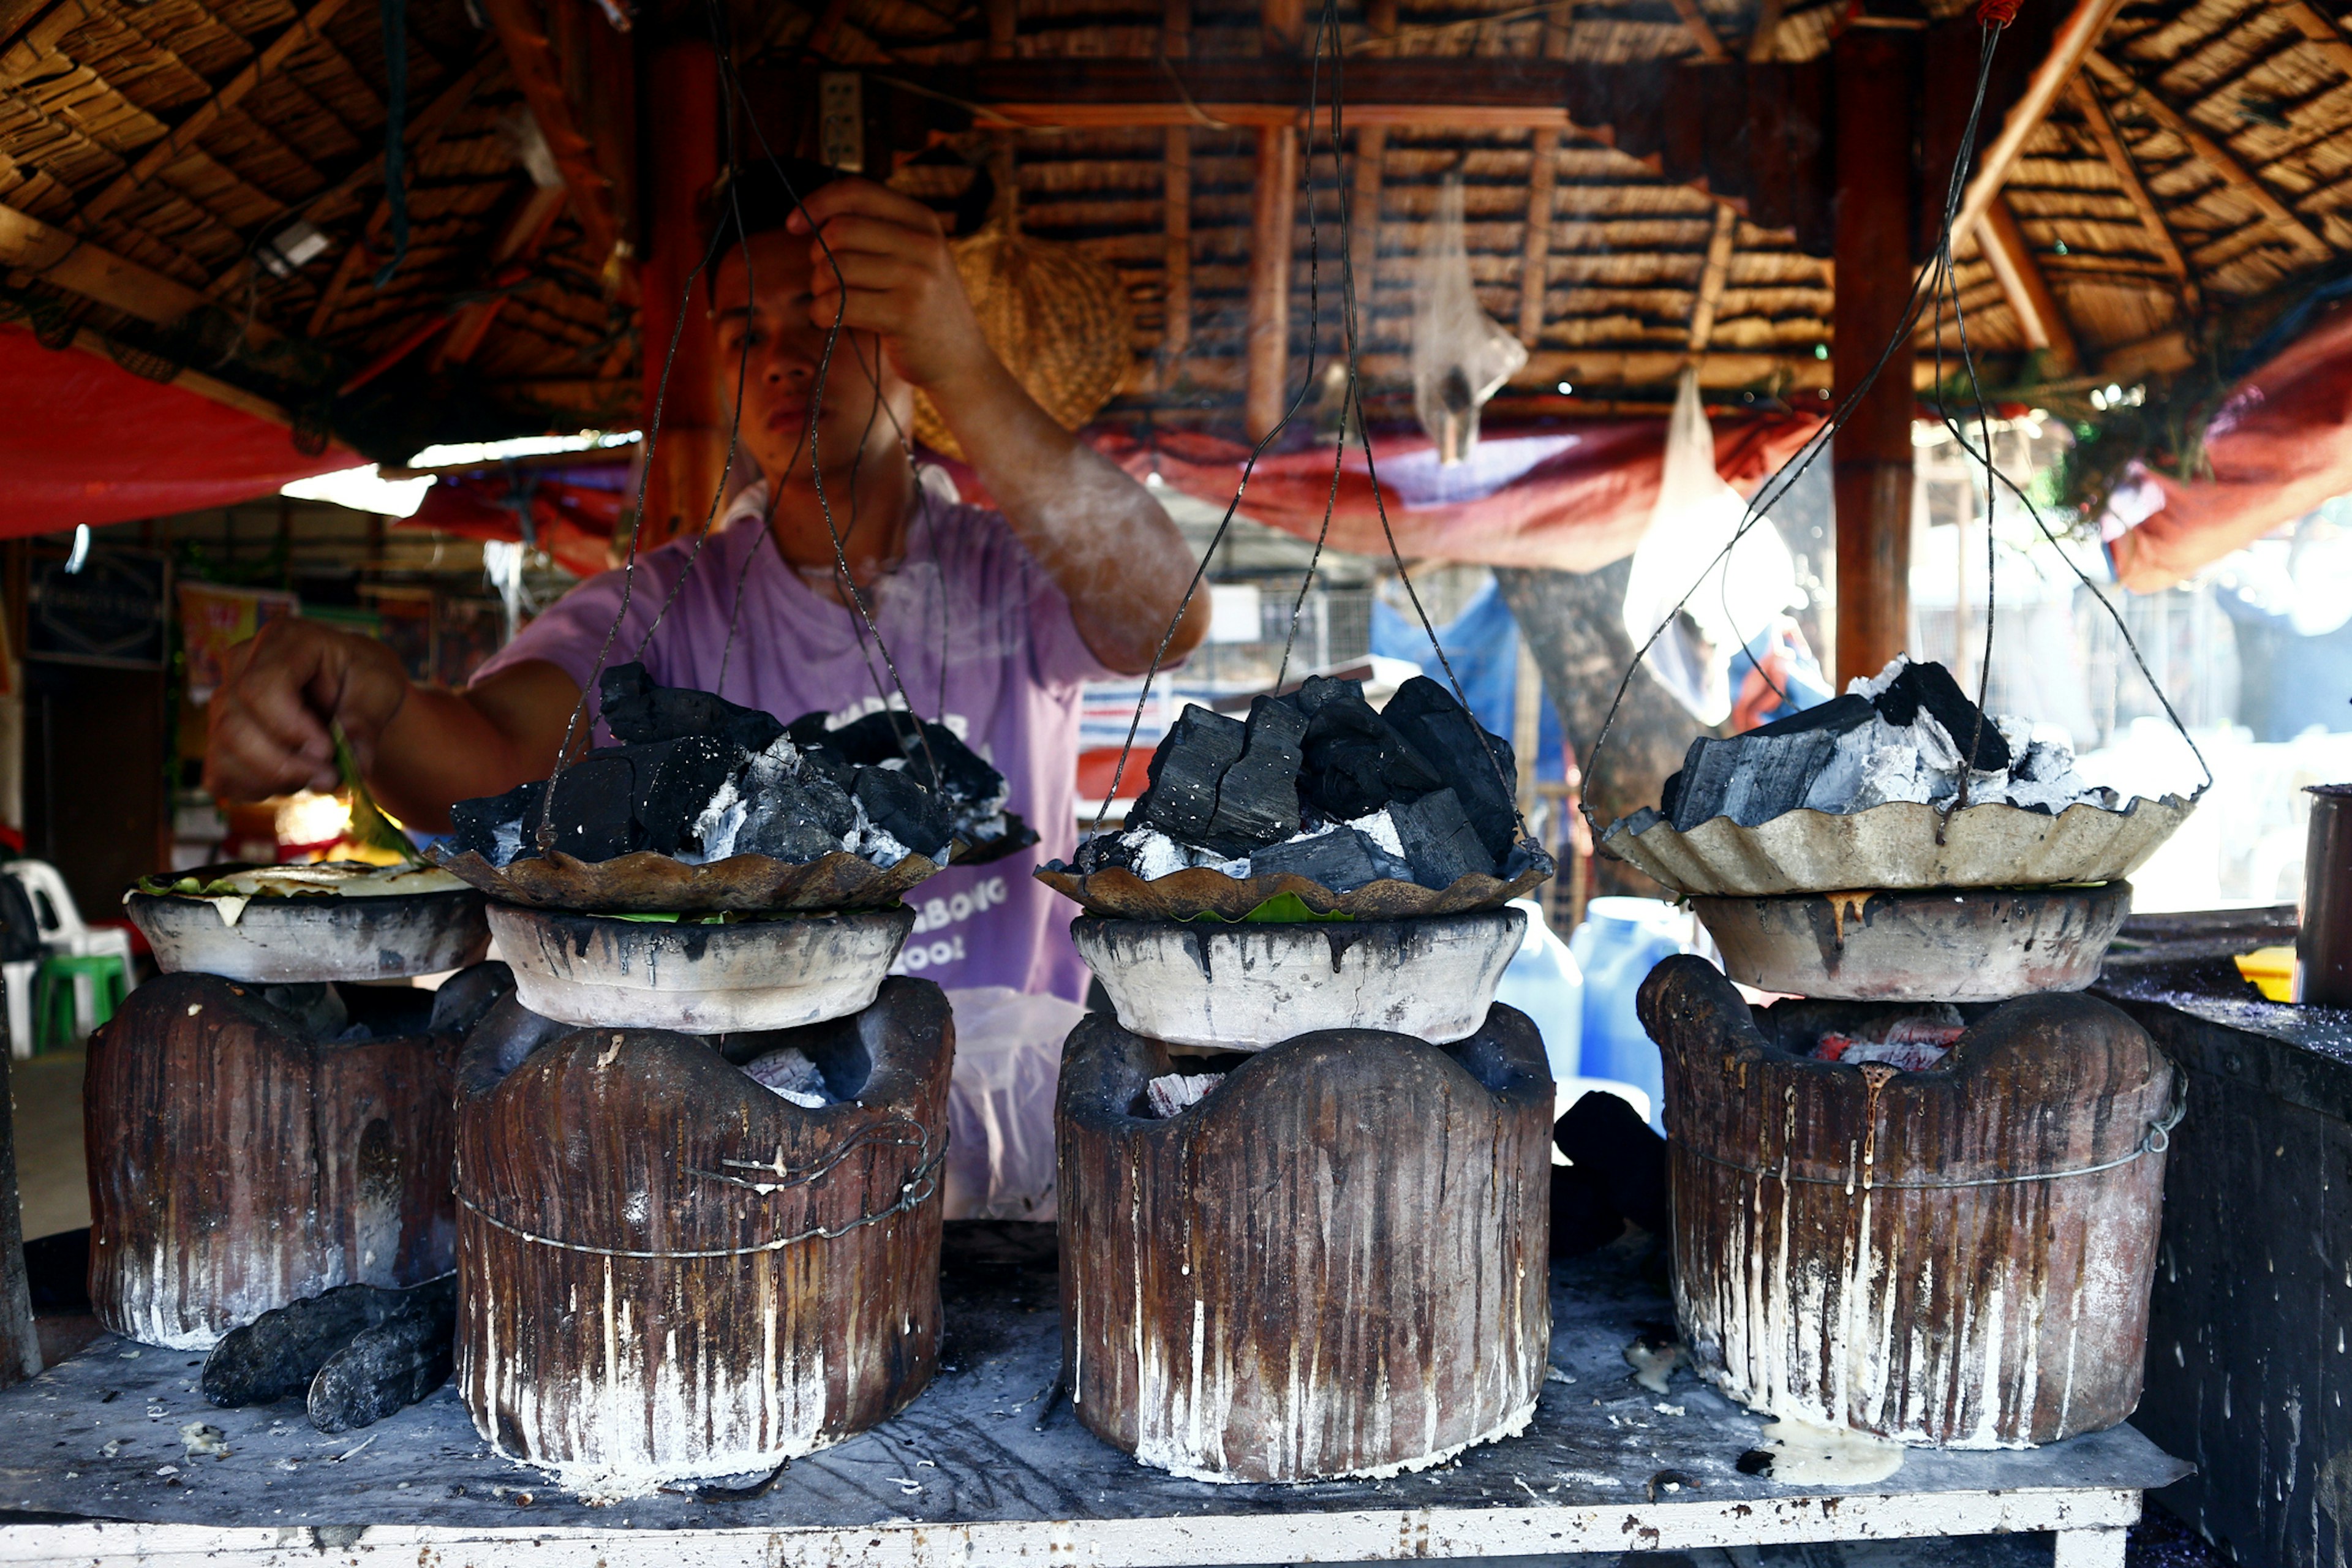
(1106, 1067)
(650, 1104)
(1392, 941)
(420, 929)
(1118, 893)
(2021, 1063)
(579, 930)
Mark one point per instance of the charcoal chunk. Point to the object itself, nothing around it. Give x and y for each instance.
(594, 810)
(1583, 1219)
(1439, 843)
(638, 712)
(390, 1364)
(1605, 1135)
(1319, 689)
(1104, 852)
(1257, 800)
(467, 996)
(1838, 715)
(1181, 798)
(497, 827)
(887, 736)
(1475, 763)
(904, 810)
(1705, 777)
(1775, 774)
(280, 1352)
(1342, 860)
(316, 1008)
(1354, 762)
(675, 781)
(1930, 686)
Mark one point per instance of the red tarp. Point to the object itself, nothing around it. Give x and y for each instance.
(2281, 445)
(1576, 510)
(573, 522)
(84, 440)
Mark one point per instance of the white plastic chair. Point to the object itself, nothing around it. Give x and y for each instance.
(62, 930)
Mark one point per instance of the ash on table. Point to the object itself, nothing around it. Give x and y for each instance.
(1318, 783)
(700, 779)
(1899, 736)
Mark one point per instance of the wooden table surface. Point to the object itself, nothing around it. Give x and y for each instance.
(988, 1467)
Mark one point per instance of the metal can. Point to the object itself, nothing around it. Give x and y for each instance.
(2323, 946)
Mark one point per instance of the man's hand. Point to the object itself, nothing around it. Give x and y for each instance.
(879, 261)
(270, 719)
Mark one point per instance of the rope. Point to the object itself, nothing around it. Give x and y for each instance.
(2155, 1141)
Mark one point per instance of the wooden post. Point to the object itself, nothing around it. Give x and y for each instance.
(2041, 319)
(1176, 42)
(1535, 262)
(1273, 214)
(691, 450)
(1876, 108)
(20, 1345)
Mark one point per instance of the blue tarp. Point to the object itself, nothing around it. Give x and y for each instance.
(1482, 646)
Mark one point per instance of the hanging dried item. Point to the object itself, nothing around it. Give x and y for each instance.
(1460, 356)
(1058, 318)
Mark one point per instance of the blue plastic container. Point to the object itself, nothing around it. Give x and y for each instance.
(1620, 940)
(1544, 982)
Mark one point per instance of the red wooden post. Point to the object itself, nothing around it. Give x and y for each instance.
(682, 126)
(1877, 112)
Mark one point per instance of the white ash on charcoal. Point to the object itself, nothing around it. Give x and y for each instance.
(791, 1075)
(1174, 1092)
(1318, 783)
(1911, 1042)
(1899, 736)
(699, 779)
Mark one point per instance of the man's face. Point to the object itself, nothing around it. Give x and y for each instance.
(767, 340)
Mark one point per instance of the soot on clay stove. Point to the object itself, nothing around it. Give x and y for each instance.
(699, 779)
(1318, 783)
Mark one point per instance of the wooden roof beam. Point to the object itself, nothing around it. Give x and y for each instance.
(205, 387)
(518, 241)
(2214, 156)
(424, 132)
(1702, 32)
(2102, 127)
(2076, 40)
(65, 259)
(2319, 31)
(522, 36)
(1764, 44)
(1711, 280)
(2041, 321)
(296, 37)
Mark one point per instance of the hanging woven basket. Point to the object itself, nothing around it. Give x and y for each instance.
(1059, 318)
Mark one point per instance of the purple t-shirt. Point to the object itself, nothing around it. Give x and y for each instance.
(984, 641)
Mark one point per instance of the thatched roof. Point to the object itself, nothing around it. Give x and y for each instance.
(2199, 159)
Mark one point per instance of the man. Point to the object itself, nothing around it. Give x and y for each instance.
(990, 619)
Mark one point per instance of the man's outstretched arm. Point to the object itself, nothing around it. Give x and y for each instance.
(1106, 542)
(421, 748)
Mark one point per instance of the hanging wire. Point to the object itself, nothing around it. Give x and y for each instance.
(1327, 39)
(1931, 285)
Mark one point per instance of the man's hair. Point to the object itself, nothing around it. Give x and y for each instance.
(761, 197)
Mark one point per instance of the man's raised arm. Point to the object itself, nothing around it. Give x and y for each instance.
(1106, 542)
